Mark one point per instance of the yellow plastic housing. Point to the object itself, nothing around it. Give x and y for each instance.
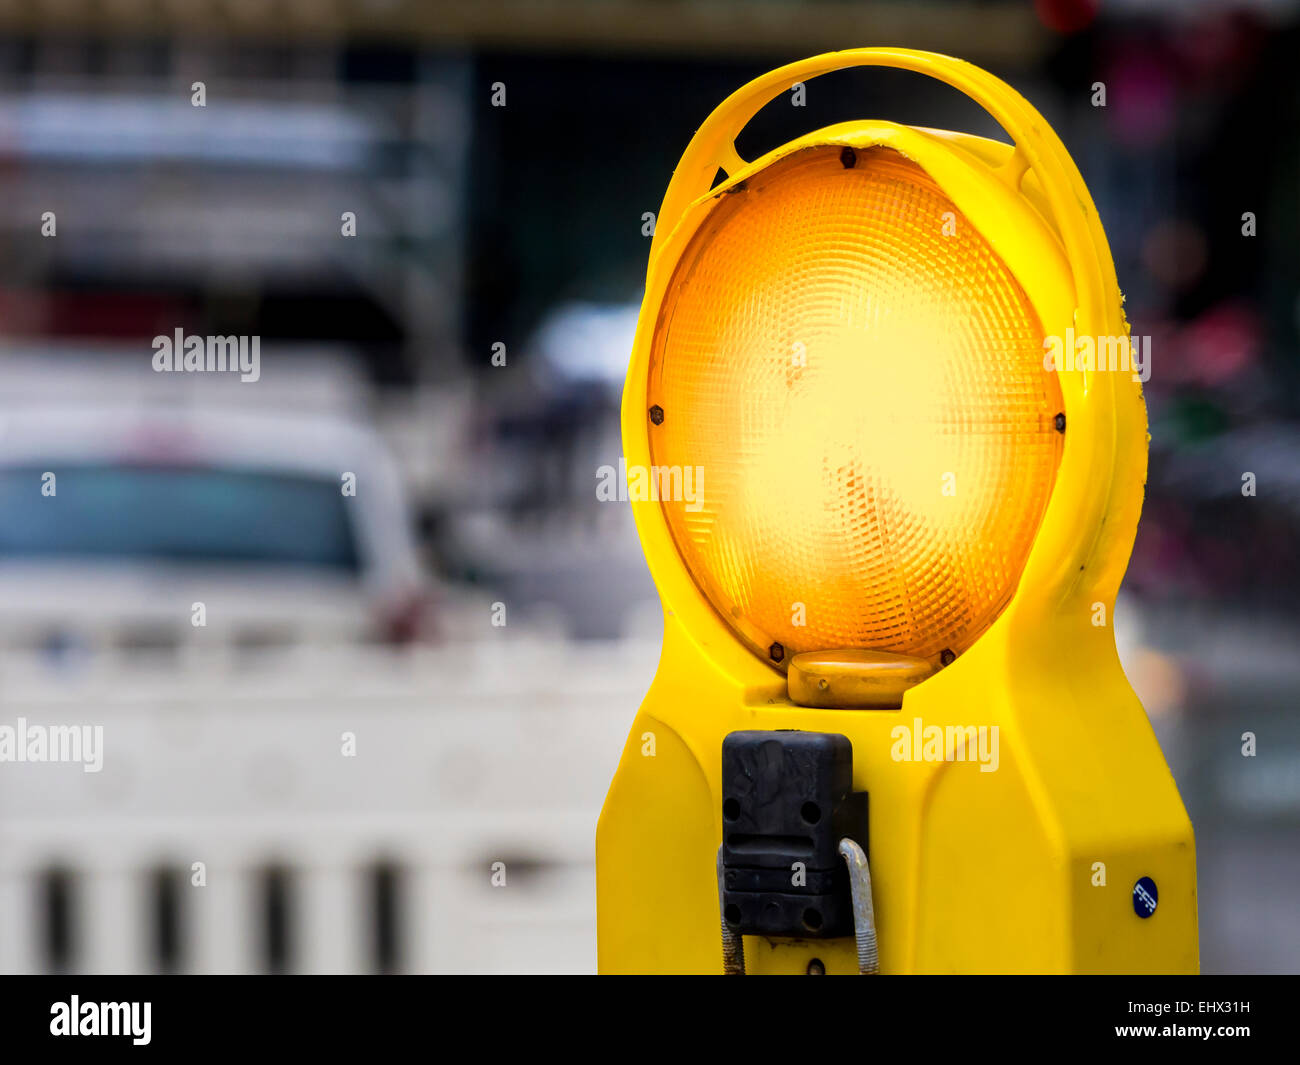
(854, 677)
(856, 379)
(1028, 867)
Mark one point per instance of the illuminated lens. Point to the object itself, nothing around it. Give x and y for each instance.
(854, 416)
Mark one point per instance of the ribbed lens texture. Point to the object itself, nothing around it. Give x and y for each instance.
(854, 383)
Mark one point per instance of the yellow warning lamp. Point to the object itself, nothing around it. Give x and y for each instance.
(889, 730)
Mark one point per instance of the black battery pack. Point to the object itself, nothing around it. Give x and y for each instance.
(787, 801)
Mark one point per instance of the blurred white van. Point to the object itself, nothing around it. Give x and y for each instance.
(116, 519)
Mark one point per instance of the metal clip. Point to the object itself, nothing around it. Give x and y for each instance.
(864, 915)
(864, 911)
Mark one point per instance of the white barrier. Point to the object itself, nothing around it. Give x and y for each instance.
(465, 756)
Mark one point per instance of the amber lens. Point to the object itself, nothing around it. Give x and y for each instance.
(851, 394)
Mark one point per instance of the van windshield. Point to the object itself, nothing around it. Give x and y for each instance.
(180, 514)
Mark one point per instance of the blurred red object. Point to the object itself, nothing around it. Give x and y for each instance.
(1220, 343)
(1066, 16)
(1141, 94)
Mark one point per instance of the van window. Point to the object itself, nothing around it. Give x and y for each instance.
(177, 514)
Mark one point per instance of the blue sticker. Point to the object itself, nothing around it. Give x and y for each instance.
(1145, 897)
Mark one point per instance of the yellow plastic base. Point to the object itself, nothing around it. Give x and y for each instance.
(1027, 868)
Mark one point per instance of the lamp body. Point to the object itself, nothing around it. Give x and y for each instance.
(1030, 867)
